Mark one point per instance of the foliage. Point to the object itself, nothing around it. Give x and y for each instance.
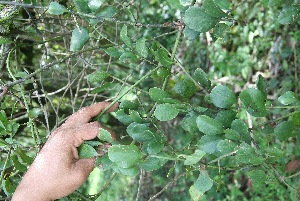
(208, 90)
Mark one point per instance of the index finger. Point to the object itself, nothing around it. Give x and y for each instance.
(85, 114)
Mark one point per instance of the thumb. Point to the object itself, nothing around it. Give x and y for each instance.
(83, 168)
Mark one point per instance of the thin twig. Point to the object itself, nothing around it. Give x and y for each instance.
(14, 3)
(166, 187)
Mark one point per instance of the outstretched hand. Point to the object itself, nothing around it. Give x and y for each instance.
(57, 170)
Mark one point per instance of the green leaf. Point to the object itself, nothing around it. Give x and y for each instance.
(275, 3)
(165, 112)
(223, 4)
(295, 118)
(213, 9)
(128, 57)
(225, 117)
(222, 97)
(97, 77)
(185, 88)
(199, 20)
(153, 163)
(208, 125)
(8, 187)
(124, 37)
(242, 129)
(154, 146)
(204, 182)
(190, 34)
(141, 47)
(158, 94)
(261, 85)
(231, 134)
(123, 117)
(254, 101)
(124, 156)
(162, 57)
(86, 151)
(131, 171)
(246, 154)
(113, 52)
(226, 146)
(135, 116)
(25, 158)
(79, 38)
(139, 132)
(285, 130)
(257, 176)
(95, 4)
(82, 6)
(17, 165)
(56, 8)
(103, 163)
(195, 194)
(288, 98)
(189, 124)
(105, 135)
(220, 29)
(208, 143)
(126, 104)
(289, 14)
(194, 158)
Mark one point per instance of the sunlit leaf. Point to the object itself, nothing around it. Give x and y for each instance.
(79, 38)
(124, 156)
(105, 135)
(213, 9)
(194, 158)
(165, 112)
(288, 98)
(139, 132)
(141, 47)
(56, 8)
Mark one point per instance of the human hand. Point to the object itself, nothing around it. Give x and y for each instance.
(57, 170)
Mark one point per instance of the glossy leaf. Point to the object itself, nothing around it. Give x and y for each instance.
(124, 156)
(79, 38)
(165, 112)
(208, 125)
(288, 98)
(231, 134)
(199, 20)
(226, 117)
(130, 171)
(201, 77)
(222, 97)
(56, 8)
(226, 146)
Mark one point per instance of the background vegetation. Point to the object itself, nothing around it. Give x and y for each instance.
(209, 94)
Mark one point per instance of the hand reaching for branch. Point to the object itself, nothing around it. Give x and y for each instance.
(57, 170)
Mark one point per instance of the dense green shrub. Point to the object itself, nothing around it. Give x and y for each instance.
(208, 91)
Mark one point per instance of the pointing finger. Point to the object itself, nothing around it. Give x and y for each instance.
(85, 114)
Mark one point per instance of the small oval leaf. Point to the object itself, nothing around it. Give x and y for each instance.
(165, 112)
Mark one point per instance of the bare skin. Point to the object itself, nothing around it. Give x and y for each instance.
(57, 170)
